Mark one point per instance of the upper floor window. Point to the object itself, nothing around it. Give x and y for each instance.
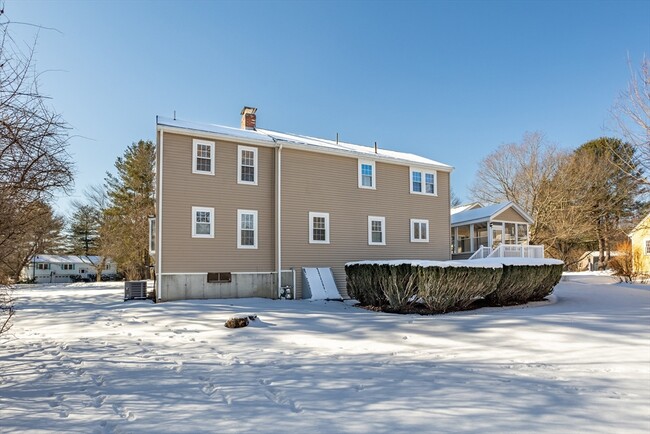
(367, 174)
(42, 266)
(419, 231)
(319, 228)
(376, 231)
(202, 222)
(203, 157)
(647, 247)
(424, 182)
(247, 232)
(67, 266)
(247, 165)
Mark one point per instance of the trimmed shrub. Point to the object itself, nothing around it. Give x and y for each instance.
(454, 285)
(546, 286)
(397, 284)
(444, 288)
(363, 283)
(523, 283)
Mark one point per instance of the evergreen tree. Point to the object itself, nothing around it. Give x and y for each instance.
(611, 188)
(124, 230)
(83, 230)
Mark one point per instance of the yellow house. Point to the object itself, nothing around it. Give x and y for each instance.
(640, 238)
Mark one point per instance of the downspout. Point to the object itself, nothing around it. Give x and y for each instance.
(278, 217)
(158, 246)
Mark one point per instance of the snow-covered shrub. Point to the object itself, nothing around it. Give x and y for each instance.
(545, 287)
(397, 284)
(524, 279)
(517, 284)
(441, 288)
(363, 284)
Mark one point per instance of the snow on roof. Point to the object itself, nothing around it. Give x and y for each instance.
(483, 213)
(67, 259)
(461, 208)
(369, 151)
(214, 129)
(305, 142)
(486, 212)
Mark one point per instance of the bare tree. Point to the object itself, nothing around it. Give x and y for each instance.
(518, 172)
(631, 113)
(41, 234)
(34, 162)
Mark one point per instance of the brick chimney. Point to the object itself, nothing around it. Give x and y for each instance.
(248, 118)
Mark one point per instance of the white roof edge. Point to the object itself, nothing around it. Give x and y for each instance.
(505, 205)
(266, 139)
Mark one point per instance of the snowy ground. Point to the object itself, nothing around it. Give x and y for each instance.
(81, 360)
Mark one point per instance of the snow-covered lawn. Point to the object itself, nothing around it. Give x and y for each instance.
(81, 360)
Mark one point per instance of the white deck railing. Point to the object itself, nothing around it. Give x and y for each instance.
(509, 251)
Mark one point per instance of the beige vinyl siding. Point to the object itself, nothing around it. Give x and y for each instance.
(183, 189)
(509, 215)
(326, 183)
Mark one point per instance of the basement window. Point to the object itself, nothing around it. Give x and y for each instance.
(220, 277)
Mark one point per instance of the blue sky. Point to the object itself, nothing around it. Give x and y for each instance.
(447, 80)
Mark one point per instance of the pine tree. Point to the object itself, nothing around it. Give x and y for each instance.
(610, 189)
(124, 230)
(83, 231)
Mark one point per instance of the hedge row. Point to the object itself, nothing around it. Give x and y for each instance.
(453, 285)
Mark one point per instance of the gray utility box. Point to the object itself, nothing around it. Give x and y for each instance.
(135, 290)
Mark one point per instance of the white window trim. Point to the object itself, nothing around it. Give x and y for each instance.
(383, 230)
(425, 240)
(152, 235)
(360, 175)
(240, 212)
(195, 209)
(195, 143)
(326, 215)
(424, 173)
(240, 150)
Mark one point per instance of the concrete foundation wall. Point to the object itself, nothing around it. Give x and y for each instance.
(243, 285)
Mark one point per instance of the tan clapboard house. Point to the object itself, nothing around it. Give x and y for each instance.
(238, 207)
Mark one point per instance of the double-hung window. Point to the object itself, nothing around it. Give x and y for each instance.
(647, 247)
(67, 266)
(424, 182)
(319, 228)
(246, 165)
(376, 231)
(202, 157)
(42, 266)
(246, 229)
(202, 222)
(367, 174)
(419, 231)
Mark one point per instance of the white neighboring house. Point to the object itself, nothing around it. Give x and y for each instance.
(65, 268)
